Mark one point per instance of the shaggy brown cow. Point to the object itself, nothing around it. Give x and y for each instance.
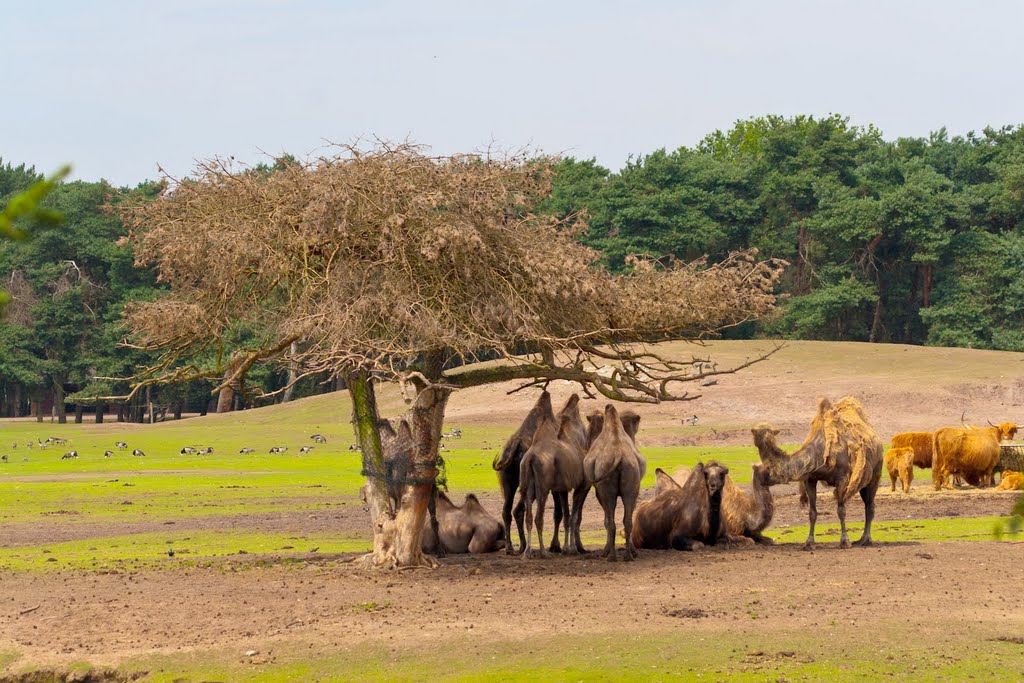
(1012, 481)
(920, 442)
(899, 462)
(971, 452)
(468, 528)
(684, 517)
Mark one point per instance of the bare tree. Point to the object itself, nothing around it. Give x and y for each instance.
(393, 265)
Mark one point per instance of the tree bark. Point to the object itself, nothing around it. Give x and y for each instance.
(398, 533)
(293, 373)
(100, 409)
(79, 409)
(37, 411)
(226, 397)
(926, 289)
(149, 403)
(177, 410)
(58, 400)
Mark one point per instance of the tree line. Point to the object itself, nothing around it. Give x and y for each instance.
(913, 240)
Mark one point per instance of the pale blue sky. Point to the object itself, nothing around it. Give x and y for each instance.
(117, 87)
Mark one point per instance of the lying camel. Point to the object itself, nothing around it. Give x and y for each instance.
(899, 463)
(685, 517)
(614, 467)
(745, 515)
(842, 450)
(468, 528)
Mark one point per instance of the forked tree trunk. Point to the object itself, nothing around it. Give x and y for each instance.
(398, 533)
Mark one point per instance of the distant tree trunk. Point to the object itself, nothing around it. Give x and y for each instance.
(926, 288)
(398, 534)
(36, 410)
(18, 412)
(802, 279)
(58, 400)
(149, 403)
(120, 412)
(100, 409)
(205, 408)
(293, 373)
(177, 410)
(79, 409)
(226, 397)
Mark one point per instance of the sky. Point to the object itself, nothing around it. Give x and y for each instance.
(121, 89)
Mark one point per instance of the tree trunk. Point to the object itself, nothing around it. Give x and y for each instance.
(177, 410)
(79, 408)
(926, 289)
(18, 412)
(398, 534)
(802, 287)
(293, 373)
(226, 397)
(100, 409)
(37, 411)
(149, 403)
(205, 409)
(58, 400)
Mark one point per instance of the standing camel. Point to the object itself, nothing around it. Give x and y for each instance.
(842, 450)
(551, 465)
(614, 467)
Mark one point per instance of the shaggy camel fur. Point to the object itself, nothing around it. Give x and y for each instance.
(745, 515)
(1011, 481)
(507, 463)
(842, 450)
(614, 467)
(899, 462)
(971, 452)
(683, 517)
(577, 436)
(920, 442)
(468, 528)
(552, 465)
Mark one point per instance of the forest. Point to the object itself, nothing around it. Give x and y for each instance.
(912, 240)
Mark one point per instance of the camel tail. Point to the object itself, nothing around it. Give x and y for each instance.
(600, 468)
(526, 474)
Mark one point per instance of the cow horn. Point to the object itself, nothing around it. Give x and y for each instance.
(962, 415)
(990, 423)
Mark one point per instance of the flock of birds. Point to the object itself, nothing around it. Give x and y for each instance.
(186, 450)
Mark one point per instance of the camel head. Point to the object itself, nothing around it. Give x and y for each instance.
(714, 475)
(630, 423)
(764, 439)
(761, 475)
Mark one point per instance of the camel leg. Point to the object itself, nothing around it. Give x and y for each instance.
(561, 504)
(526, 501)
(509, 488)
(681, 542)
(810, 489)
(579, 494)
(559, 517)
(844, 540)
(542, 499)
(761, 539)
(628, 506)
(867, 494)
(608, 505)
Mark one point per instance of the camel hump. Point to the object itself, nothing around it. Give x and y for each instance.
(471, 500)
(823, 405)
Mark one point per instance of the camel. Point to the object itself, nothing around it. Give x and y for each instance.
(842, 450)
(745, 515)
(468, 528)
(507, 463)
(614, 467)
(683, 517)
(553, 464)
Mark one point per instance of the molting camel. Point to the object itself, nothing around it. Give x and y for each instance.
(842, 450)
(684, 517)
(614, 467)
